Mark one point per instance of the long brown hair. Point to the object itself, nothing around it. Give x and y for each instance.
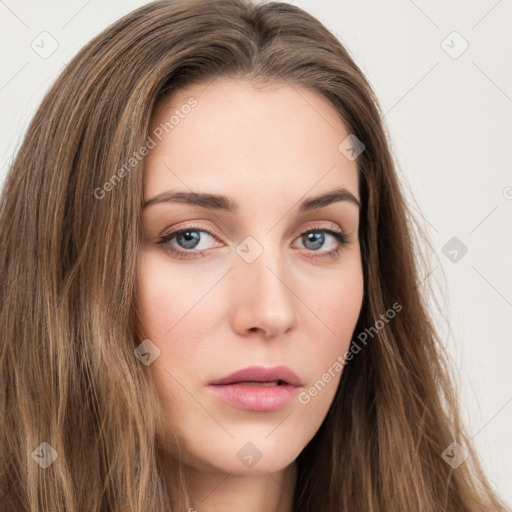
(68, 262)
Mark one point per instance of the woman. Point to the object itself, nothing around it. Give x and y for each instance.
(217, 307)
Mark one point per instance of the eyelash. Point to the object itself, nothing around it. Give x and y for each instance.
(342, 239)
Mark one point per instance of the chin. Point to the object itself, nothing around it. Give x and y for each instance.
(250, 456)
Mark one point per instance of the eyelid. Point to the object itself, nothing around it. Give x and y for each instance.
(192, 226)
(328, 226)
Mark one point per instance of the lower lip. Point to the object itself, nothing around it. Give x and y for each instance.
(255, 398)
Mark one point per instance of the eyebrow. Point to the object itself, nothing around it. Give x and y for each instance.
(221, 202)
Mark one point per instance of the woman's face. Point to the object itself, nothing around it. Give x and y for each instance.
(232, 282)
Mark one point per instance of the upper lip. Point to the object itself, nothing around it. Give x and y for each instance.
(261, 374)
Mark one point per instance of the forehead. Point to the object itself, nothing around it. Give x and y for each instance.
(236, 134)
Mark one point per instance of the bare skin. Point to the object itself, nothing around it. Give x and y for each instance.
(295, 304)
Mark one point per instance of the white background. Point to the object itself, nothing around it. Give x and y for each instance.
(450, 125)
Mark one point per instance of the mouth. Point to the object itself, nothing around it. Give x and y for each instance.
(257, 388)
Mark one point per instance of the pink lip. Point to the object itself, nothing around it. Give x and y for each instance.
(235, 390)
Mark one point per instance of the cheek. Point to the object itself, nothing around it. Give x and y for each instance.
(170, 301)
(171, 298)
(179, 308)
(338, 307)
(158, 288)
(345, 306)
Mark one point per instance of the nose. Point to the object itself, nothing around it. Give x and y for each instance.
(263, 298)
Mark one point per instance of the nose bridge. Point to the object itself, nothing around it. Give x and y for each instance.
(264, 298)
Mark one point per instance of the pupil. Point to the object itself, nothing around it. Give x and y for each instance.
(189, 238)
(316, 239)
